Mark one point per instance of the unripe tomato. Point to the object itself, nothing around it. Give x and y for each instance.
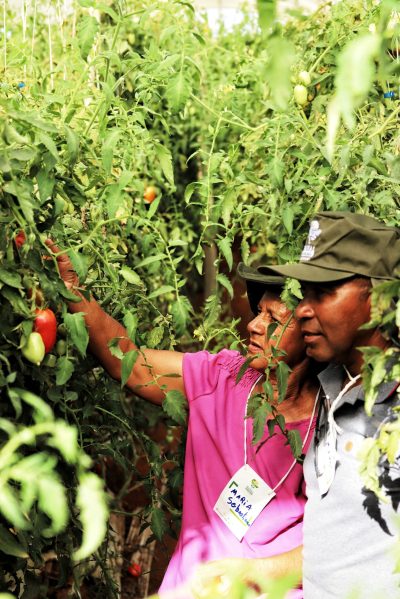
(150, 193)
(301, 95)
(61, 347)
(33, 349)
(305, 77)
(50, 361)
(46, 325)
(135, 569)
(20, 238)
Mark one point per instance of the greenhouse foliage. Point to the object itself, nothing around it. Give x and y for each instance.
(241, 138)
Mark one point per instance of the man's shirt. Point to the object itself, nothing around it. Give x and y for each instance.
(350, 537)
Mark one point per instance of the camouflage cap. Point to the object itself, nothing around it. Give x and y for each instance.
(257, 283)
(341, 245)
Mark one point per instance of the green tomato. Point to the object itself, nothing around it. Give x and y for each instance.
(304, 77)
(300, 95)
(50, 360)
(61, 347)
(33, 349)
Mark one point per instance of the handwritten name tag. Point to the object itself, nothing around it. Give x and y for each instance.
(242, 500)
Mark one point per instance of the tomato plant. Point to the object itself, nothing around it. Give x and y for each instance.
(143, 92)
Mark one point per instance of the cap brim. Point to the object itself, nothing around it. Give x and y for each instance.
(309, 273)
(254, 275)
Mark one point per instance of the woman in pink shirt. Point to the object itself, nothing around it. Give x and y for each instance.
(218, 524)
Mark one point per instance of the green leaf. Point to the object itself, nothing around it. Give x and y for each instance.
(189, 190)
(282, 376)
(87, 29)
(161, 291)
(46, 182)
(10, 507)
(259, 421)
(246, 364)
(72, 144)
(229, 201)
(165, 158)
(355, 74)
(65, 439)
(287, 218)
(130, 321)
(158, 523)
(92, 503)
(279, 70)
(279, 589)
(225, 282)
(53, 502)
(150, 260)
(295, 442)
(130, 276)
(178, 91)
(153, 207)
(155, 337)
(175, 405)
(10, 278)
(226, 249)
(18, 305)
(114, 197)
(9, 544)
(127, 364)
(107, 150)
(64, 370)
(180, 311)
(41, 411)
(80, 263)
(48, 142)
(76, 327)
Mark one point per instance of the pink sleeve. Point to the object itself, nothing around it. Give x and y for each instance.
(202, 370)
(200, 374)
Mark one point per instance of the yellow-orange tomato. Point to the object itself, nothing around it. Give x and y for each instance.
(150, 193)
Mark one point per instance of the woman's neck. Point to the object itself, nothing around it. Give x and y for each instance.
(301, 392)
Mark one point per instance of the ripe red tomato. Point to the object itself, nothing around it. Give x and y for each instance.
(135, 569)
(20, 238)
(46, 324)
(150, 193)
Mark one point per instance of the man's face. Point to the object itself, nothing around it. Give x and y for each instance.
(273, 310)
(330, 316)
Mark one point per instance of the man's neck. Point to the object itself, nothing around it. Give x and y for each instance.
(300, 394)
(355, 361)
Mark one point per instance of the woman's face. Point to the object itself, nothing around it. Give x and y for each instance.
(273, 310)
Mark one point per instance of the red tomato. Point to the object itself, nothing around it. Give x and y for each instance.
(46, 324)
(135, 569)
(20, 238)
(150, 193)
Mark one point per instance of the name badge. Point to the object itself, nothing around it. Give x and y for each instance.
(242, 500)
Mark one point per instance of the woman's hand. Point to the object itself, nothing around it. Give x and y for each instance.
(65, 267)
(217, 578)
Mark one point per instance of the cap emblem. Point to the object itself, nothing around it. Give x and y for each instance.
(309, 248)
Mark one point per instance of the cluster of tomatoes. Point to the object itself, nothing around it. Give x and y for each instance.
(44, 333)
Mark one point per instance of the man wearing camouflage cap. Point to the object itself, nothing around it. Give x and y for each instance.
(350, 536)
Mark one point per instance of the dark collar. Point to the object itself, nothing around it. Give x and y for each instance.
(332, 378)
